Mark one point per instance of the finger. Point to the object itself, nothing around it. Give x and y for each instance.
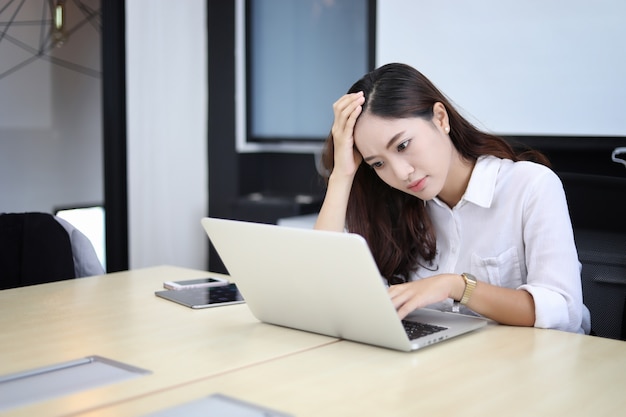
(403, 312)
(354, 115)
(399, 296)
(356, 101)
(345, 107)
(404, 309)
(395, 290)
(343, 128)
(345, 100)
(403, 298)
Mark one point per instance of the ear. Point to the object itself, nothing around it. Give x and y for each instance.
(440, 117)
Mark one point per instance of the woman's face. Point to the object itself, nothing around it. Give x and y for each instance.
(412, 155)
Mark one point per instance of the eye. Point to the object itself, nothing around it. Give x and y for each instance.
(403, 145)
(377, 165)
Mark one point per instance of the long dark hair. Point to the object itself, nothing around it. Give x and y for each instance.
(396, 224)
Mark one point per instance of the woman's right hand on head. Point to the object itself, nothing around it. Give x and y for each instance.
(347, 109)
(332, 215)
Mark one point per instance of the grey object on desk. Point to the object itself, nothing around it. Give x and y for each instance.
(204, 297)
(218, 405)
(62, 379)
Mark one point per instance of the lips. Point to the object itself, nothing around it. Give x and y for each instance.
(417, 186)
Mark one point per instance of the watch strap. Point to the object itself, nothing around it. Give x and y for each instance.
(470, 285)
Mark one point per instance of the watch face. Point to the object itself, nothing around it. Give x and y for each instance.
(469, 277)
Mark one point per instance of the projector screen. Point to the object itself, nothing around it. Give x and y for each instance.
(530, 67)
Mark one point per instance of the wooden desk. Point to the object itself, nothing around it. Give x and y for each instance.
(496, 371)
(117, 316)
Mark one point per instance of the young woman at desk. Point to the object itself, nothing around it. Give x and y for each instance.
(452, 214)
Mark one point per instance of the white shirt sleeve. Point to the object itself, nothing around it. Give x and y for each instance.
(553, 268)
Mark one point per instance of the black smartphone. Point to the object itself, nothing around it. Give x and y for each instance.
(204, 297)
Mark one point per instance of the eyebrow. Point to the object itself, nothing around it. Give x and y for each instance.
(391, 141)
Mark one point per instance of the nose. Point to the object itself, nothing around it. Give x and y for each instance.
(402, 169)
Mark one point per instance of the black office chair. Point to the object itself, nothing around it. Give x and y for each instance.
(603, 258)
(36, 248)
(624, 321)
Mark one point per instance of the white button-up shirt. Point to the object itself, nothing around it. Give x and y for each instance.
(512, 229)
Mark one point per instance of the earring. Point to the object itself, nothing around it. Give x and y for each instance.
(447, 129)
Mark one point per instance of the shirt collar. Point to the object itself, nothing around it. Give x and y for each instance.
(482, 183)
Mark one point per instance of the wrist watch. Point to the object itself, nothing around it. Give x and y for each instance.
(470, 285)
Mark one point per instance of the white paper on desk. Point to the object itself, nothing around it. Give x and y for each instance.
(218, 405)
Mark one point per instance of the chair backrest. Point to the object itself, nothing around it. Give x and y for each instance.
(624, 321)
(86, 261)
(36, 248)
(603, 258)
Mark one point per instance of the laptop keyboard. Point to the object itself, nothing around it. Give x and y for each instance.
(416, 330)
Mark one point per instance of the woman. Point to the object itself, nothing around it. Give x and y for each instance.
(452, 214)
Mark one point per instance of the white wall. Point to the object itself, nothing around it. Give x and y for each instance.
(517, 67)
(167, 132)
(50, 120)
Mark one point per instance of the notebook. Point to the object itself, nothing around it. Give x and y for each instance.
(322, 282)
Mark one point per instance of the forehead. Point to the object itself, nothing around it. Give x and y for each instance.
(373, 132)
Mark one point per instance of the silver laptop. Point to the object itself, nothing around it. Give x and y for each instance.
(323, 282)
